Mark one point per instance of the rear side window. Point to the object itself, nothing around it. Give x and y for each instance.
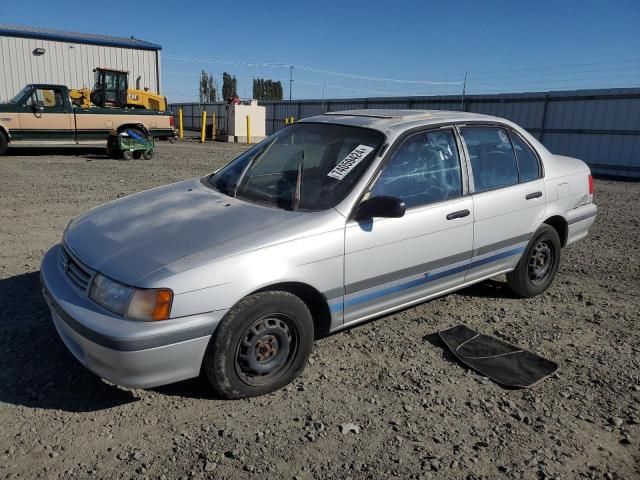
(528, 164)
(492, 158)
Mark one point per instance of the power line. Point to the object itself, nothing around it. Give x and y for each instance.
(339, 87)
(333, 86)
(565, 80)
(308, 68)
(557, 76)
(188, 74)
(498, 84)
(375, 79)
(556, 66)
(392, 80)
(560, 74)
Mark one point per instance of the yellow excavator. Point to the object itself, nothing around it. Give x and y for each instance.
(111, 89)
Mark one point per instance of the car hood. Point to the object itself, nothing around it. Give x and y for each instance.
(130, 238)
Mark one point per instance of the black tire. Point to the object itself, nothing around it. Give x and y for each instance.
(148, 155)
(538, 266)
(261, 345)
(3, 143)
(128, 154)
(113, 153)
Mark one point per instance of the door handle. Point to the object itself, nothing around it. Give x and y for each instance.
(458, 214)
(533, 195)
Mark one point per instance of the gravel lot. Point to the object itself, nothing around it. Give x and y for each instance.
(416, 413)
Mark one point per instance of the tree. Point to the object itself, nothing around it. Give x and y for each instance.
(265, 89)
(208, 89)
(229, 86)
(213, 89)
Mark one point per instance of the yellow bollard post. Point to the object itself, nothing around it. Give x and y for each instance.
(291, 120)
(286, 120)
(248, 129)
(204, 126)
(180, 124)
(213, 125)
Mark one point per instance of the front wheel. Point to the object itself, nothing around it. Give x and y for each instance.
(261, 345)
(539, 263)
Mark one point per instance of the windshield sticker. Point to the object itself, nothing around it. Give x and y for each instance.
(350, 162)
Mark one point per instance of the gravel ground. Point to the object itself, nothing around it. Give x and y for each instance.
(382, 400)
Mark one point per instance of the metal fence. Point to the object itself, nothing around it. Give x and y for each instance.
(601, 127)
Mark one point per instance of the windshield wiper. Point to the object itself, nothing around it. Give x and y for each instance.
(297, 191)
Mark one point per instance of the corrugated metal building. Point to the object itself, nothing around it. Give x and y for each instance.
(42, 55)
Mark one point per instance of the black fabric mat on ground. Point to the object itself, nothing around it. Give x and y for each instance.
(502, 362)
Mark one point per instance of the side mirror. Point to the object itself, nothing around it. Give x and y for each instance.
(39, 106)
(381, 206)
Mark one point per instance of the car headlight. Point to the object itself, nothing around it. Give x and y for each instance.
(133, 303)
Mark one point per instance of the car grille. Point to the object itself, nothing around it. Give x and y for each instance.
(79, 275)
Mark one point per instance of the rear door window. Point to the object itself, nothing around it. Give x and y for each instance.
(492, 157)
(528, 164)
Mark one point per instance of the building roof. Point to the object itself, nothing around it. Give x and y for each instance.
(398, 120)
(75, 37)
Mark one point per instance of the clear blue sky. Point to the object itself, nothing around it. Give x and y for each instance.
(370, 48)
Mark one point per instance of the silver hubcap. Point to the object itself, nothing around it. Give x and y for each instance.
(540, 262)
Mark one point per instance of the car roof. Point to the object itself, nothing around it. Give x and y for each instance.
(396, 121)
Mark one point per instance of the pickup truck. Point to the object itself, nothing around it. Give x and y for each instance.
(43, 115)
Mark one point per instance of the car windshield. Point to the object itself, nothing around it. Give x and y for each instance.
(306, 166)
(20, 94)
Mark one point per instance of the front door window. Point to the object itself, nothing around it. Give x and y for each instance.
(425, 169)
(50, 98)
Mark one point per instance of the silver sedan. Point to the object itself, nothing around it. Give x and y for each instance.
(327, 223)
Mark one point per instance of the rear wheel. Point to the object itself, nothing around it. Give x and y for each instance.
(3, 143)
(538, 266)
(261, 345)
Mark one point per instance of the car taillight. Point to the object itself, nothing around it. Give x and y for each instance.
(591, 187)
(171, 121)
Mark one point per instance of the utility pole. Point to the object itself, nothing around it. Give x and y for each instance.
(464, 90)
(290, 80)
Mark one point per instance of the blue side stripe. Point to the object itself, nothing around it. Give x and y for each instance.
(336, 307)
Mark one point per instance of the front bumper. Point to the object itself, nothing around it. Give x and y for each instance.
(125, 352)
